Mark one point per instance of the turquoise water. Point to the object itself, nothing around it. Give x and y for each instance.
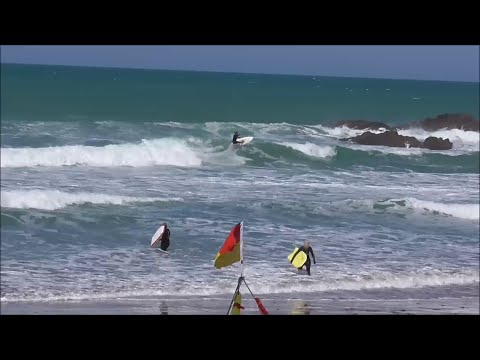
(56, 93)
(94, 160)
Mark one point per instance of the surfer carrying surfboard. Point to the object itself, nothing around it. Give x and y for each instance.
(306, 248)
(165, 242)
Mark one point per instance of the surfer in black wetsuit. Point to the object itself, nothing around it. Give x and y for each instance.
(306, 248)
(235, 137)
(165, 242)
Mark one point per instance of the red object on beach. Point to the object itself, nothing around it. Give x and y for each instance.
(261, 307)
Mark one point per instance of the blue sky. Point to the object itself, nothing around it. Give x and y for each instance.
(422, 62)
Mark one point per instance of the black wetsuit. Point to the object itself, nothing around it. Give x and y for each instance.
(308, 263)
(165, 243)
(234, 140)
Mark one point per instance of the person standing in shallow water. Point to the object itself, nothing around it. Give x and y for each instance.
(165, 242)
(307, 249)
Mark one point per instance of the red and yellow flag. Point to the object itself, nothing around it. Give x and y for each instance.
(230, 252)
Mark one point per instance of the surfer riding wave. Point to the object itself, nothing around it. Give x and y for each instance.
(235, 137)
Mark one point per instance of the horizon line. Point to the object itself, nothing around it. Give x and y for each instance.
(234, 72)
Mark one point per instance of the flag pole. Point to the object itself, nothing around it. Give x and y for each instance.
(241, 249)
(240, 279)
(235, 295)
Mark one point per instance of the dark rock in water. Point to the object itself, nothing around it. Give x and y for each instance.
(447, 121)
(362, 124)
(443, 121)
(393, 139)
(434, 143)
(388, 138)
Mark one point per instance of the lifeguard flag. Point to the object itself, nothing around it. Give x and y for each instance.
(230, 251)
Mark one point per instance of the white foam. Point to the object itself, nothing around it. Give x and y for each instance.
(344, 131)
(453, 134)
(463, 211)
(54, 199)
(168, 151)
(388, 150)
(465, 140)
(262, 286)
(313, 149)
(379, 281)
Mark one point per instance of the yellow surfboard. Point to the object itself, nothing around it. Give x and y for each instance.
(299, 260)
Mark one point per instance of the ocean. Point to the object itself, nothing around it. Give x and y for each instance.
(94, 160)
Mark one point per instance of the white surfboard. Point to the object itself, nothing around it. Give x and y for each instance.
(157, 236)
(244, 140)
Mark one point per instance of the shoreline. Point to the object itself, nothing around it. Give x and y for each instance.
(451, 299)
